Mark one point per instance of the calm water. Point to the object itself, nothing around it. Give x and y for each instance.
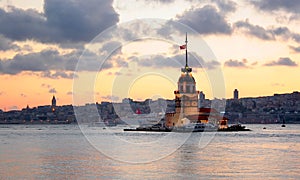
(63, 152)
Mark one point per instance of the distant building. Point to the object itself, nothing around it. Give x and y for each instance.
(127, 100)
(201, 99)
(202, 96)
(53, 103)
(236, 94)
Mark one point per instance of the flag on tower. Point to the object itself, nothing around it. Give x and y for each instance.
(183, 46)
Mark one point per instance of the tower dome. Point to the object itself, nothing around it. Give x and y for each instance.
(186, 78)
(186, 83)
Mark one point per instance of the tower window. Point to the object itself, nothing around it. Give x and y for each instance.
(188, 90)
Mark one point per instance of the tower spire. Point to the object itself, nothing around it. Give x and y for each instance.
(186, 54)
(186, 69)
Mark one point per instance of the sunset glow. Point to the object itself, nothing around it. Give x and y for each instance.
(256, 45)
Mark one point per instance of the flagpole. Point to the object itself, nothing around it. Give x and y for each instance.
(186, 55)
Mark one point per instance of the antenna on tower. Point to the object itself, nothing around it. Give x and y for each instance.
(186, 69)
(186, 55)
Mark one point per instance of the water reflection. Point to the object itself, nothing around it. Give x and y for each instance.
(64, 153)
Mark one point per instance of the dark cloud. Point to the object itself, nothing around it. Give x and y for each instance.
(51, 60)
(254, 30)
(205, 20)
(42, 61)
(62, 21)
(52, 91)
(23, 24)
(78, 20)
(283, 61)
(236, 63)
(274, 5)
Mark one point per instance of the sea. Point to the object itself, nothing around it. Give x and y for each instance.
(91, 152)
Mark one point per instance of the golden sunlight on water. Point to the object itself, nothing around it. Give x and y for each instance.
(62, 152)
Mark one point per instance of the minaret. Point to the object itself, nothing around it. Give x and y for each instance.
(235, 94)
(53, 103)
(186, 97)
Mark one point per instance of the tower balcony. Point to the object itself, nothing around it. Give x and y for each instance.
(186, 69)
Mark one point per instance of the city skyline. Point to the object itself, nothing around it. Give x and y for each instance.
(256, 44)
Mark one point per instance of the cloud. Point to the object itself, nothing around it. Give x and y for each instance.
(266, 34)
(46, 85)
(52, 91)
(7, 44)
(160, 1)
(111, 49)
(58, 74)
(295, 49)
(62, 21)
(275, 5)
(23, 95)
(225, 5)
(236, 63)
(285, 10)
(70, 93)
(27, 47)
(13, 108)
(283, 61)
(285, 34)
(110, 98)
(23, 24)
(51, 60)
(176, 61)
(254, 30)
(277, 84)
(205, 20)
(42, 61)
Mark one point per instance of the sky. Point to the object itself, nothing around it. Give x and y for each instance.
(93, 51)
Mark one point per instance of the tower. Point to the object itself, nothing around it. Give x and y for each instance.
(235, 94)
(53, 103)
(186, 102)
(186, 97)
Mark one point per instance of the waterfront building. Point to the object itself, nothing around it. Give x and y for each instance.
(236, 94)
(186, 102)
(202, 96)
(201, 99)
